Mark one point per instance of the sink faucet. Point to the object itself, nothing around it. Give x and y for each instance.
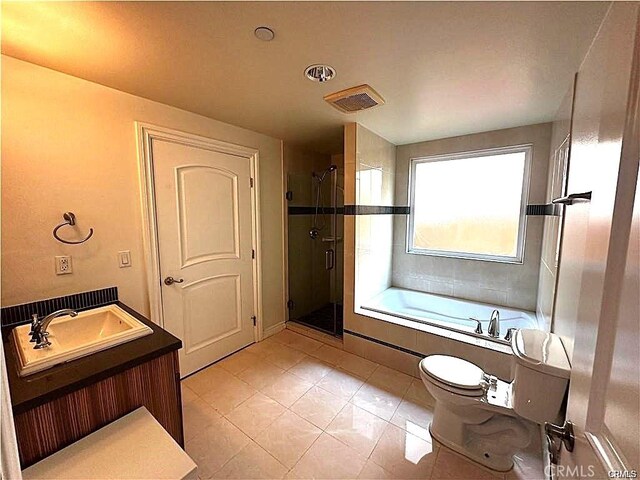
(39, 327)
(494, 324)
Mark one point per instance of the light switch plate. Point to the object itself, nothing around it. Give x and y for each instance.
(63, 265)
(124, 259)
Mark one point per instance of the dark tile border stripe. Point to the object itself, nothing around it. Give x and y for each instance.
(375, 210)
(312, 210)
(548, 209)
(385, 344)
(16, 314)
(532, 210)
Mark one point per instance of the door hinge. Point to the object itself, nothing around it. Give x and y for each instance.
(253, 254)
(251, 182)
(291, 304)
(255, 320)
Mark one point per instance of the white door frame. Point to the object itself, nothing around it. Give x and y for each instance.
(146, 133)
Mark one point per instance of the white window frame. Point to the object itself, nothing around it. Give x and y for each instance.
(527, 149)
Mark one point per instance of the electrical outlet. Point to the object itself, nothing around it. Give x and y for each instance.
(63, 265)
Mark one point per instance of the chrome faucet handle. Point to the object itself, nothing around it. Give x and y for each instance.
(509, 335)
(35, 321)
(36, 335)
(478, 329)
(36, 328)
(41, 341)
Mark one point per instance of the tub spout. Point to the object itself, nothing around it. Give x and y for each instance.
(494, 324)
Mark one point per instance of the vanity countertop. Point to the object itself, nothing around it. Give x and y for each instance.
(34, 390)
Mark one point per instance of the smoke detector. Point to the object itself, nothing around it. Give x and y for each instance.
(355, 99)
(319, 73)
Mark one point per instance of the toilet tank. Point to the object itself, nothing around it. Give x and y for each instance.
(541, 375)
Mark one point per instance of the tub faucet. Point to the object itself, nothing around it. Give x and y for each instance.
(494, 324)
(39, 327)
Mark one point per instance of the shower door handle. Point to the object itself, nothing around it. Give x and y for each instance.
(329, 259)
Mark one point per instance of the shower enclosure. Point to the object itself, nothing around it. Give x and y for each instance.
(315, 214)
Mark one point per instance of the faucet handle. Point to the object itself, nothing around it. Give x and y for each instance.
(478, 329)
(41, 341)
(34, 323)
(509, 334)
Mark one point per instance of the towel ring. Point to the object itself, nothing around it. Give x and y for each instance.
(70, 219)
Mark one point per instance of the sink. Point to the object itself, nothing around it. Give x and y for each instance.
(73, 337)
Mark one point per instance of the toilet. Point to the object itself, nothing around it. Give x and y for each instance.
(487, 419)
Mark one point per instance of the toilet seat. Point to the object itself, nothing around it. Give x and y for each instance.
(454, 375)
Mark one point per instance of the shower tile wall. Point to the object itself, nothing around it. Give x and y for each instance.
(375, 184)
(490, 282)
(369, 180)
(555, 188)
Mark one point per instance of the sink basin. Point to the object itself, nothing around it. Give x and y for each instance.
(73, 337)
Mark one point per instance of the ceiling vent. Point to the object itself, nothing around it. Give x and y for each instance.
(355, 99)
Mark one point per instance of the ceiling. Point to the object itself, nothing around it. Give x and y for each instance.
(444, 68)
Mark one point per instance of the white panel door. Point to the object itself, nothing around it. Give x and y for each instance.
(597, 243)
(204, 221)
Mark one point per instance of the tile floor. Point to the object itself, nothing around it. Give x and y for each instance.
(292, 407)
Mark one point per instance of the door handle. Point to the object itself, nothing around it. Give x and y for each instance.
(556, 437)
(171, 280)
(329, 260)
(568, 200)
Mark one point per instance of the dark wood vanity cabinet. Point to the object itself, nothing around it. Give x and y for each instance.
(67, 402)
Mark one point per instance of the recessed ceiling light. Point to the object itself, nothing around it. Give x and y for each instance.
(319, 73)
(264, 33)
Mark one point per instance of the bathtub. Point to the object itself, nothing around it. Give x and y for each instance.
(447, 312)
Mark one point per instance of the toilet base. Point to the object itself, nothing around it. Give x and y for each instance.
(499, 463)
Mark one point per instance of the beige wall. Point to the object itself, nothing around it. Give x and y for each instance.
(491, 282)
(69, 144)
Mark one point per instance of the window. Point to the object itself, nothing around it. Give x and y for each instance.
(470, 205)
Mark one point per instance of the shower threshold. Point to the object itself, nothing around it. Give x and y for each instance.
(322, 319)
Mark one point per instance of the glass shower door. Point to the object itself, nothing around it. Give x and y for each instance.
(315, 252)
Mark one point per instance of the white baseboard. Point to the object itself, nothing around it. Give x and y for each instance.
(272, 330)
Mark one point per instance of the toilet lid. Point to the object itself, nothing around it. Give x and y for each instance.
(453, 371)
